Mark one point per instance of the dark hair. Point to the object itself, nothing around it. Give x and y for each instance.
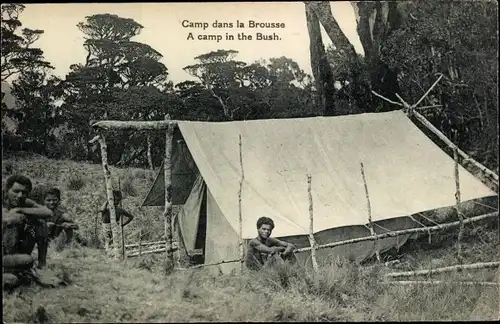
(25, 181)
(54, 192)
(265, 221)
(117, 194)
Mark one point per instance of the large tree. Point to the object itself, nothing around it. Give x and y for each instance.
(228, 89)
(38, 115)
(34, 92)
(458, 40)
(18, 53)
(120, 79)
(407, 45)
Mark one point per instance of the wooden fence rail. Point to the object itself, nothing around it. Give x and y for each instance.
(480, 265)
(402, 232)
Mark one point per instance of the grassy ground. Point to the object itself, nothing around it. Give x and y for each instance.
(101, 290)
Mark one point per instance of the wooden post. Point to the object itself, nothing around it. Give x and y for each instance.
(175, 231)
(312, 241)
(240, 216)
(140, 241)
(113, 250)
(457, 199)
(167, 172)
(150, 157)
(370, 213)
(121, 222)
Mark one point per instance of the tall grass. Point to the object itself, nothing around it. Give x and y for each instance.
(96, 289)
(99, 290)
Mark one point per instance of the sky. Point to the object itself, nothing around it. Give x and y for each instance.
(62, 41)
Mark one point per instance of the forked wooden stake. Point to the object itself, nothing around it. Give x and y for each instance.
(457, 199)
(121, 223)
(312, 241)
(240, 216)
(140, 241)
(377, 253)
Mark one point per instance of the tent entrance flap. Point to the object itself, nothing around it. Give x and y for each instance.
(192, 219)
(184, 173)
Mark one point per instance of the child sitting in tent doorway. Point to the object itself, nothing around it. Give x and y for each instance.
(60, 222)
(106, 219)
(261, 248)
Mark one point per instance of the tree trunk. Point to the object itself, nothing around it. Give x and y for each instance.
(342, 44)
(322, 72)
(376, 21)
(332, 28)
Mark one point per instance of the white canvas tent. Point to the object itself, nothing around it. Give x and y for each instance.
(406, 173)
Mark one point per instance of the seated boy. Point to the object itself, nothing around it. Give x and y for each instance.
(263, 246)
(106, 218)
(60, 221)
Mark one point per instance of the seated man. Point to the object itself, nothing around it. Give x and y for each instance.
(263, 246)
(106, 218)
(60, 222)
(20, 217)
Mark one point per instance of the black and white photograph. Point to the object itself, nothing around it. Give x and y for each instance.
(301, 161)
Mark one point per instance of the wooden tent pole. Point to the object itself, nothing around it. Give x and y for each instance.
(428, 91)
(167, 173)
(492, 175)
(312, 241)
(121, 222)
(457, 199)
(175, 231)
(114, 249)
(140, 240)
(240, 213)
(372, 231)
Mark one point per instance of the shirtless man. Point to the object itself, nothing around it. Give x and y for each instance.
(263, 246)
(20, 217)
(106, 219)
